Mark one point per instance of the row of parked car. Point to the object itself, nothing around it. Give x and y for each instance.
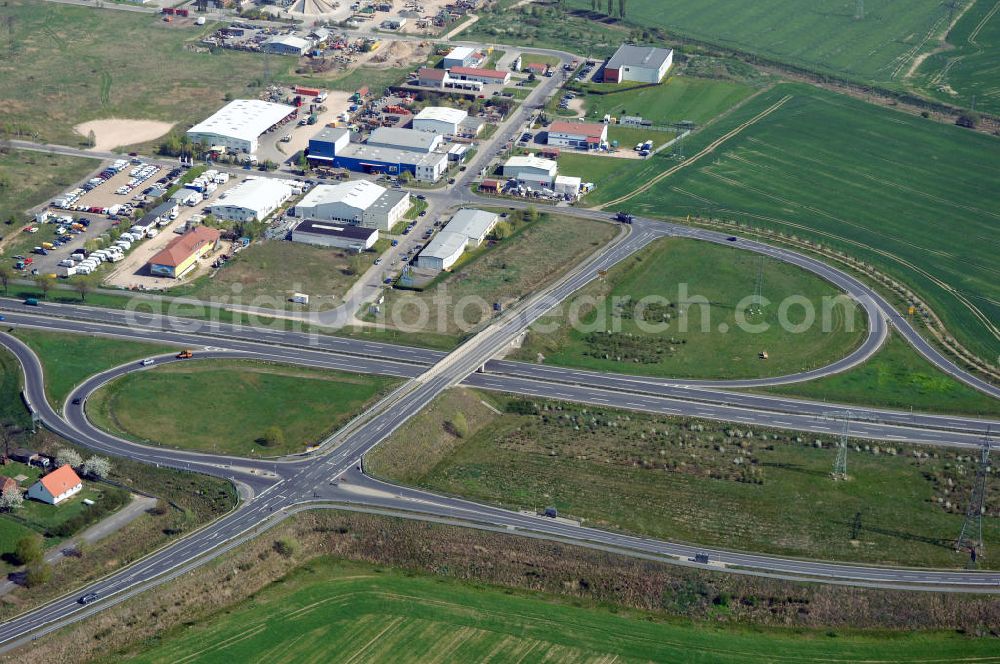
(136, 178)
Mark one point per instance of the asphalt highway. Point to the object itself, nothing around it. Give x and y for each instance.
(332, 477)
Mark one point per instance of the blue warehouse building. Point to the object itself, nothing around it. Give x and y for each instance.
(332, 147)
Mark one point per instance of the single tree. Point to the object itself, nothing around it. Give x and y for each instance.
(97, 467)
(8, 434)
(38, 574)
(84, 284)
(11, 499)
(91, 139)
(273, 437)
(68, 457)
(28, 549)
(621, 8)
(610, 6)
(44, 283)
(4, 277)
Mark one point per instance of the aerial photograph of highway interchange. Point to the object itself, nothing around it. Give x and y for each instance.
(499, 331)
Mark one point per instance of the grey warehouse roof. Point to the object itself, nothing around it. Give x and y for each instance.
(403, 138)
(638, 56)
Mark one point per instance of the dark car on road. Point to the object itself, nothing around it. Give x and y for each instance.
(88, 598)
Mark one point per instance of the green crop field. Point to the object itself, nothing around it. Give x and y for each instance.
(673, 335)
(825, 35)
(331, 610)
(677, 99)
(969, 68)
(69, 359)
(29, 178)
(708, 483)
(239, 402)
(915, 198)
(897, 377)
(72, 64)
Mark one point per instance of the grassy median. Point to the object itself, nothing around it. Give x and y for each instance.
(233, 407)
(693, 328)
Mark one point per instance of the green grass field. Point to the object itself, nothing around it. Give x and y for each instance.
(897, 377)
(701, 482)
(677, 99)
(541, 26)
(266, 274)
(824, 36)
(535, 254)
(968, 68)
(332, 610)
(913, 197)
(29, 178)
(69, 359)
(673, 336)
(72, 64)
(11, 407)
(239, 401)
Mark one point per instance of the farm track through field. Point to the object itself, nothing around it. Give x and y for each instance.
(708, 149)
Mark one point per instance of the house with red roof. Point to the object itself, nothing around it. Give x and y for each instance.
(582, 135)
(57, 486)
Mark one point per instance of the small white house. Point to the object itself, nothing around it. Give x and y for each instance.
(57, 486)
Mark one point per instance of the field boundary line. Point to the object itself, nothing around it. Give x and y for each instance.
(708, 149)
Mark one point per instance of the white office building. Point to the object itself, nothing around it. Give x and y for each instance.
(439, 120)
(238, 125)
(358, 203)
(463, 56)
(252, 200)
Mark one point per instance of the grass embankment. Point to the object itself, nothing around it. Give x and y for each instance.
(676, 99)
(27, 179)
(963, 71)
(829, 39)
(912, 197)
(698, 340)
(266, 274)
(228, 406)
(331, 608)
(897, 377)
(67, 66)
(709, 483)
(69, 359)
(535, 254)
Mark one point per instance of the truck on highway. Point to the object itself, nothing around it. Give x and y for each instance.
(184, 354)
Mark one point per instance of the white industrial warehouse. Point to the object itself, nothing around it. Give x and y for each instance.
(359, 202)
(643, 64)
(439, 120)
(238, 125)
(253, 199)
(466, 230)
(531, 169)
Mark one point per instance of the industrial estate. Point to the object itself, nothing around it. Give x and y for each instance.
(484, 330)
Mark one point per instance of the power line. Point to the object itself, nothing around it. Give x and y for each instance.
(971, 536)
(845, 417)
